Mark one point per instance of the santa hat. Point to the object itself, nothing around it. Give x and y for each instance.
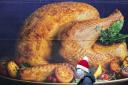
(83, 64)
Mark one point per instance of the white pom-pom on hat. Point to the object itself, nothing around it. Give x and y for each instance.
(85, 58)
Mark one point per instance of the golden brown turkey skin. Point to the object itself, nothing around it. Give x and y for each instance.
(40, 73)
(37, 73)
(38, 31)
(79, 39)
(103, 55)
(116, 50)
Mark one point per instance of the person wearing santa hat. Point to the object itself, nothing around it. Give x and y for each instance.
(84, 76)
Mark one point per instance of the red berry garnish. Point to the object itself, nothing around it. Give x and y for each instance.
(104, 76)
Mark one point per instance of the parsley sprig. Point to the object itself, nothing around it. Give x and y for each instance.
(112, 34)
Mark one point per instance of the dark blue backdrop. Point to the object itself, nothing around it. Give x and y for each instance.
(14, 12)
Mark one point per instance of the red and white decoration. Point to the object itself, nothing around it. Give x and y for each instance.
(83, 64)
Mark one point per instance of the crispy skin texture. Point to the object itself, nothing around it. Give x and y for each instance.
(39, 29)
(40, 73)
(79, 39)
(116, 50)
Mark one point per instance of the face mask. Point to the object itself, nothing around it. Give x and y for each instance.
(80, 73)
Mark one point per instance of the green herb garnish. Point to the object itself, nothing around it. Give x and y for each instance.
(112, 34)
(24, 65)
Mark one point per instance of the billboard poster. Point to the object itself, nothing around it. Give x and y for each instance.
(64, 42)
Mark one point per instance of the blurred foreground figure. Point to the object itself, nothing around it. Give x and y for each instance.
(84, 76)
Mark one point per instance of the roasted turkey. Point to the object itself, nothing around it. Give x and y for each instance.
(76, 26)
(36, 35)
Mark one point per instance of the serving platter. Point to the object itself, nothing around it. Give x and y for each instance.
(112, 82)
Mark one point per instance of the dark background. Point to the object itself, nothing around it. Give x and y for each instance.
(14, 12)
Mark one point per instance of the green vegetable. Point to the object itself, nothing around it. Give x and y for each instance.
(24, 65)
(112, 34)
